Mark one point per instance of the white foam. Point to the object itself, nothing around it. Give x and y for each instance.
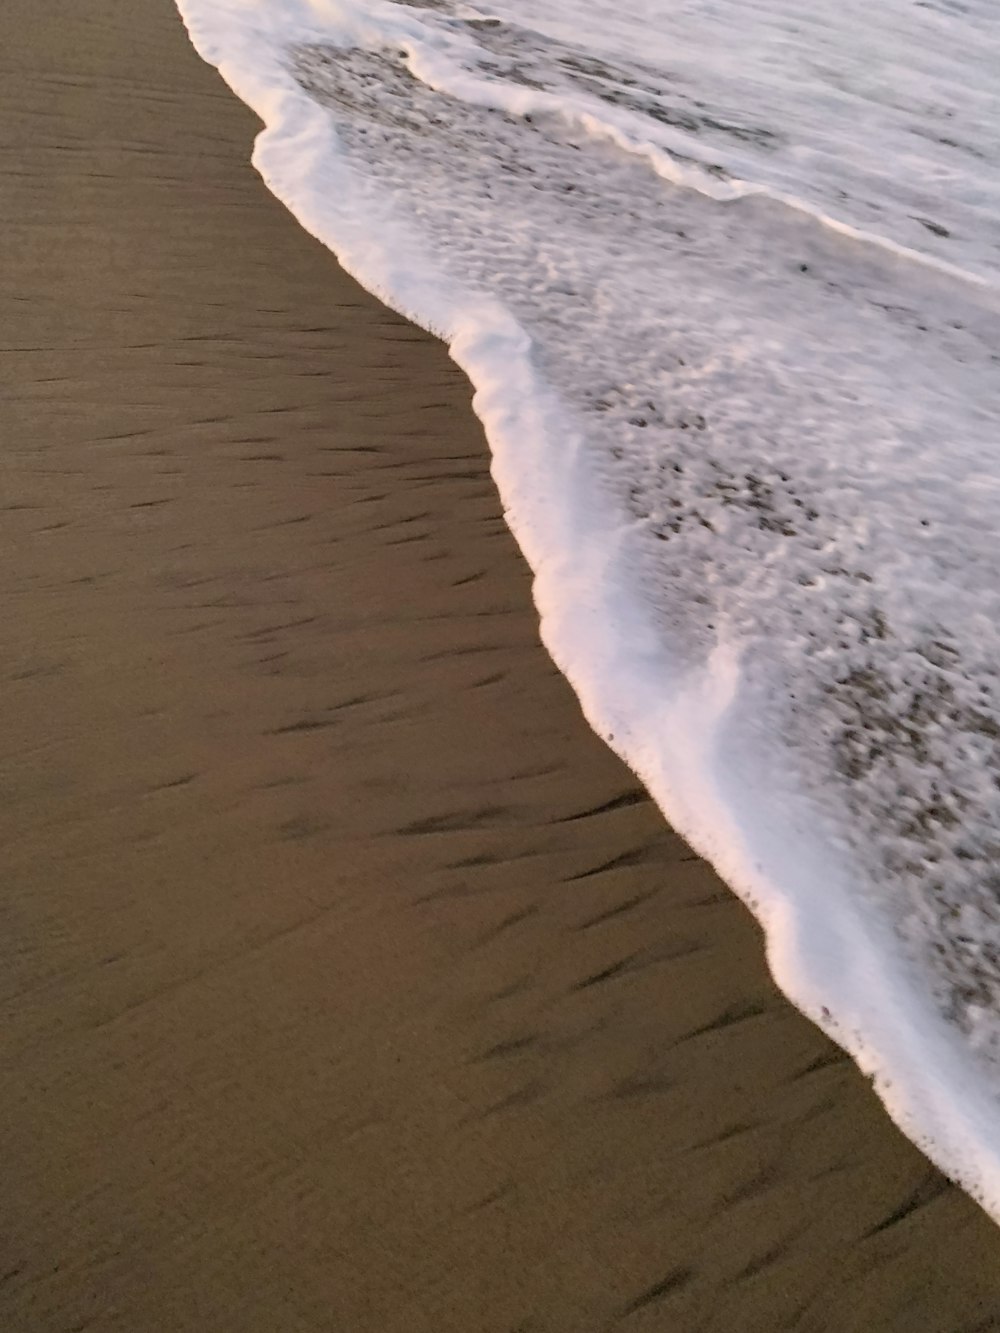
(749, 456)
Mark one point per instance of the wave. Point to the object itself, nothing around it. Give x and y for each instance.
(492, 71)
(748, 449)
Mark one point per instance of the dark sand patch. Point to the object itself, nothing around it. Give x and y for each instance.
(346, 984)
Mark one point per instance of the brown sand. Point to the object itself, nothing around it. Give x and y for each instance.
(349, 982)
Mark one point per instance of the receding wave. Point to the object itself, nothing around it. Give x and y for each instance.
(744, 418)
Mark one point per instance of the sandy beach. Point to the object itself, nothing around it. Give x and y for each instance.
(349, 982)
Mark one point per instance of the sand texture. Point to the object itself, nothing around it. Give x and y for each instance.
(349, 982)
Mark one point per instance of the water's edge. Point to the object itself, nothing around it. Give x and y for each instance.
(930, 1090)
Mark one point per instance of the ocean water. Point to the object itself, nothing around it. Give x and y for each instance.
(726, 281)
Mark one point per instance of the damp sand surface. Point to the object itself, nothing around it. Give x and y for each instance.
(349, 982)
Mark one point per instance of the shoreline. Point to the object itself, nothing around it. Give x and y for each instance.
(323, 1011)
(822, 911)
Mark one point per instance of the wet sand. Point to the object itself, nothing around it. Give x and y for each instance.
(349, 982)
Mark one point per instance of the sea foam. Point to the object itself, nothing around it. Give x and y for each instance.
(731, 308)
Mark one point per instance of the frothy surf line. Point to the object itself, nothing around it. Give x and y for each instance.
(839, 970)
(438, 64)
(631, 133)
